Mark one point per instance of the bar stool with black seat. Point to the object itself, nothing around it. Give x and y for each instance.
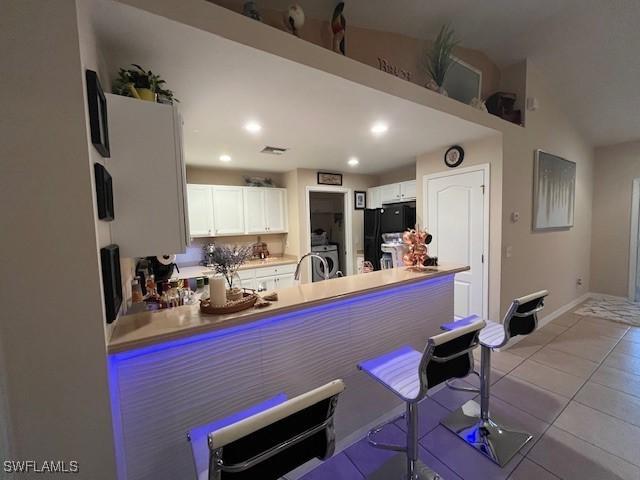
(472, 422)
(409, 374)
(270, 439)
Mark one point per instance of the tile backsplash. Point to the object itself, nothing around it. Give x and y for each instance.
(193, 256)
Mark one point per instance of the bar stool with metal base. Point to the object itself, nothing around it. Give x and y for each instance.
(409, 374)
(268, 440)
(472, 422)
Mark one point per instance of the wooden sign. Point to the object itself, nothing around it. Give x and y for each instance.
(385, 66)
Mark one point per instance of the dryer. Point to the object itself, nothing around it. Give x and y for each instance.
(330, 254)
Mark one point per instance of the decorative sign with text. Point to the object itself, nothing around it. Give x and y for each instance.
(385, 66)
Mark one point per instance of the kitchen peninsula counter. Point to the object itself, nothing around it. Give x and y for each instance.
(150, 328)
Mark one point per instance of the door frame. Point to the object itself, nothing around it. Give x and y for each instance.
(486, 169)
(348, 228)
(633, 241)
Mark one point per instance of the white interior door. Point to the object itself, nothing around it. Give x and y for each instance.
(456, 219)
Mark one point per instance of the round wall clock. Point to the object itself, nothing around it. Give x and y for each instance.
(454, 156)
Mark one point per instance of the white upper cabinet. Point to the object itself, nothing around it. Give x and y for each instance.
(200, 210)
(265, 210)
(408, 190)
(373, 198)
(148, 175)
(390, 193)
(275, 204)
(228, 210)
(254, 210)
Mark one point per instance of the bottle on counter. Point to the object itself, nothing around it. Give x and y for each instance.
(136, 291)
(151, 286)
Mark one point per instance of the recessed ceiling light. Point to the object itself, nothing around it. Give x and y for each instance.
(225, 158)
(252, 127)
(379, 128)
(353, 161)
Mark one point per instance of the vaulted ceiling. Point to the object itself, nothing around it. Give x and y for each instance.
(587, 49)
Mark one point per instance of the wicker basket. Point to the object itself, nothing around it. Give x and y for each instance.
(248, 300)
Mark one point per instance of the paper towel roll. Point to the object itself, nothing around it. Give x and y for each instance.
(166, 259)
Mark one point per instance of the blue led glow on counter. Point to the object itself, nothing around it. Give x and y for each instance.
(276, 318)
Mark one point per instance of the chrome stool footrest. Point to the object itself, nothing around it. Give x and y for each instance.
(385, 446)
(452, 386)
(498, 442)
(396, 469)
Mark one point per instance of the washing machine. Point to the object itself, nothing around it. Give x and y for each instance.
(330, 254)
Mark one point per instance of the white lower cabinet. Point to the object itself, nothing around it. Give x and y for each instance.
(268, 279)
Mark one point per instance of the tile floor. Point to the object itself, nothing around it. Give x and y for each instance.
(574, 385)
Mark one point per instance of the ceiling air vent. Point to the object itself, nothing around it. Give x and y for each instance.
(273, 150)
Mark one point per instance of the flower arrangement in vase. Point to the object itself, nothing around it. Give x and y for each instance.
(226, 262)
(416, 241)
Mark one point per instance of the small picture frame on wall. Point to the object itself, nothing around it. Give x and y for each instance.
(359, 200)
(97, 104)
(111, 281)
(325, 178)
(104, 193)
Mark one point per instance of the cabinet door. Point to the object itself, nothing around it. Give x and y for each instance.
(275, 210)
(373, 197)
(285, 281)
(200, 210)
(254, 210)
(266, 284)
(408, 190)
(390, 193)
(228, 210)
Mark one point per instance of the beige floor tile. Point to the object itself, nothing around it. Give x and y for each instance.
(565, 362)
(623, 362)
(502, 361)
(573, 459)
(591, 349)
(532, 343)
(553, 329)
(600, 328)
(583, 331)
(604, 431)
(633, 335)
(536, 401)
(567, 320)
(618, 380)
(628, 348)
(613, 402)
(548, 378)
(527, 470)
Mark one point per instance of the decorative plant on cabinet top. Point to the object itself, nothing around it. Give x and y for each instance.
(143, 85)
(439, 58)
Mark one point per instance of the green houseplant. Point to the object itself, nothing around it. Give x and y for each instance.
(439, 58)
(142, 84)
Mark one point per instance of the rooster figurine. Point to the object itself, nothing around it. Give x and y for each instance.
(294, 19)
(339, 28)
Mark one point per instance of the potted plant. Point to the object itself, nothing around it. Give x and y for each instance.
(439, 58)
(226, 261)
(145, 85)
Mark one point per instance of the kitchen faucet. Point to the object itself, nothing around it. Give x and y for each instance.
(325, 272)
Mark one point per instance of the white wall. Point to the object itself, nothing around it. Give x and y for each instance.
(52, 326)
(616, 167)
(552, 259)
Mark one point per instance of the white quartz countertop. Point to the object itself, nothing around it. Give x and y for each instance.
(201, 270)
(148, 328)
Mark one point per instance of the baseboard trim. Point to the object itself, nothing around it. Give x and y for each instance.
(552, 316)
(606, 295)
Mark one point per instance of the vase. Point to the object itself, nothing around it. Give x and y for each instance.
(146, 94)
